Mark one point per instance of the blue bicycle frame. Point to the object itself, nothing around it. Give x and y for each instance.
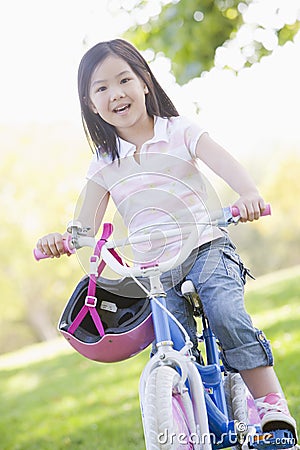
(167, 331)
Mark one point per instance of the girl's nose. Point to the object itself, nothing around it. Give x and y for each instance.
(116, 94)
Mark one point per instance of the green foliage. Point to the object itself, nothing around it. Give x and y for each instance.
(62, 400)
(188, 42)
(288, 32)
(189, 32)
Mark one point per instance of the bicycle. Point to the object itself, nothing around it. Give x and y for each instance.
(184, 404)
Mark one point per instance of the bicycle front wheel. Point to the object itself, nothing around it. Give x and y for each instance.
(168, 414)
(240, 403)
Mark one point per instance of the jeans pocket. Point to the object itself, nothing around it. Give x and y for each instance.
(235, 266)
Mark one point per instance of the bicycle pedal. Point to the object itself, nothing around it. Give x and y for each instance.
(272, 440)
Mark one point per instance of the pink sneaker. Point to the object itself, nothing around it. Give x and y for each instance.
(274, 414)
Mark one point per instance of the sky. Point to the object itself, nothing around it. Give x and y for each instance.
(41, 45)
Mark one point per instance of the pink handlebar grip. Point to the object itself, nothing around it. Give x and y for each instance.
(267, 211)
(40, 255)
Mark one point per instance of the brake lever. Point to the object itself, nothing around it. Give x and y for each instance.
(228, 218)
(76, 229)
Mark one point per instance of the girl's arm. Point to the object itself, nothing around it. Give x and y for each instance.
(93, 207)
(250, 203)
(91, 214)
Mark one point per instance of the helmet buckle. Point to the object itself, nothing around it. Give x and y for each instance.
(94, 260)
(90, 301)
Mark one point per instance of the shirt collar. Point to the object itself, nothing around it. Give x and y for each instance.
(160, 135)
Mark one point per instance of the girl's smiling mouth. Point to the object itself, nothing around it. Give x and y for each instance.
(122, 109)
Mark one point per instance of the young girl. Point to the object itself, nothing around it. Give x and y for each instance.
(146, 160)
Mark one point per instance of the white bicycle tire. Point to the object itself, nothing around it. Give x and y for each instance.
(236, 393)
(240, 403)
(168, 423)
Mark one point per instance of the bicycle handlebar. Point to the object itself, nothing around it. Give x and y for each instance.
(231, 216)
(67, 248)
(266, 212)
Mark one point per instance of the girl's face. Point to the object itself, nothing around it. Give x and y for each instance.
(117, 94)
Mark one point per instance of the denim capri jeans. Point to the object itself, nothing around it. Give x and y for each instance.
(218, 275)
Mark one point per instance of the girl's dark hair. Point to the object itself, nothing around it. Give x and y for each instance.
(102, 136)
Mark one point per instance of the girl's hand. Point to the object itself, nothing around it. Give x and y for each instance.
(250, 205)
(52, 244)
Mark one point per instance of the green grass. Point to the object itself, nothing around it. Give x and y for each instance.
(53, 399)
(274, 304)
(66, 402)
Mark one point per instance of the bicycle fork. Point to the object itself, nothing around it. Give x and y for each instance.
(213, 424)
(166, 332)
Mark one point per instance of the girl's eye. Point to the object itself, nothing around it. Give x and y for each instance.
(101, 89)
(124, 80)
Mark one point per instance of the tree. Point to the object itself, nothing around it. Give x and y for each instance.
(190, 32)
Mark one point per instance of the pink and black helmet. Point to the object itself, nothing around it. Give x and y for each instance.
(125, 315)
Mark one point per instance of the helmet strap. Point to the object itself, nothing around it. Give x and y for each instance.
(95, 271)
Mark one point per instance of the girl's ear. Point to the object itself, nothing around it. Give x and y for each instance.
(146, 90)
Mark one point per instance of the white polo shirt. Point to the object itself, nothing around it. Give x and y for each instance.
(165, 190)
